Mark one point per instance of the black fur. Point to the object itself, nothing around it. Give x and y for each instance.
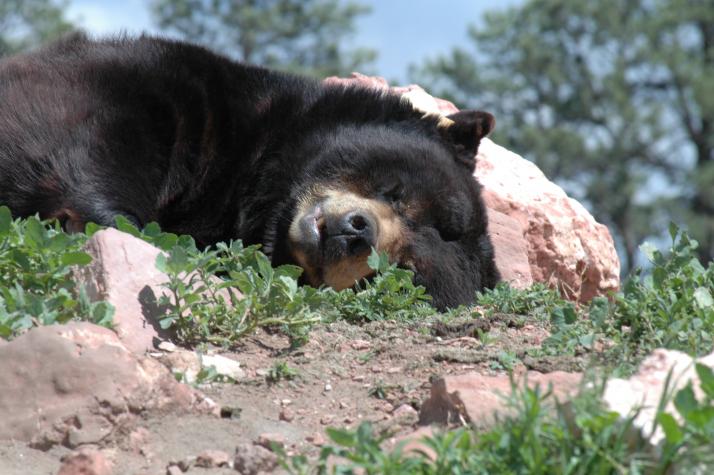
(165, 131)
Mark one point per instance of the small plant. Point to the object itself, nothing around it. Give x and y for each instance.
(280, 371)
(536, 301)
(36, 286)
(390, 294)
(379, 390)
(671, 306)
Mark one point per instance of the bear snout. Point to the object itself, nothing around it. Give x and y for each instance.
(353, 233)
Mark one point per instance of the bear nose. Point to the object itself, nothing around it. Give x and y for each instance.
(355, 223)
(354, 232)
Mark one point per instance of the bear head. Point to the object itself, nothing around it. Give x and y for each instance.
(405, 188)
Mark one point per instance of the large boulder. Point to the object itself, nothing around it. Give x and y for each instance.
(564, 245)
(77, 384)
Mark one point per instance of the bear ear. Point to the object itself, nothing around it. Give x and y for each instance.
(465, 129)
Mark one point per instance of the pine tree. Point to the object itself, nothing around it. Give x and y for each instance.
(27, 23)
(305, 36)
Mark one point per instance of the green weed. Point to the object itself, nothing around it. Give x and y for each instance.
(36, 286)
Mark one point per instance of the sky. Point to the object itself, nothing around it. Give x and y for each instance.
(403, 32)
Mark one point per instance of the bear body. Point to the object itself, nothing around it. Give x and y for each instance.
(165, 131)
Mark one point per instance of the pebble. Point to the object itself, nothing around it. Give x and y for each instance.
(361, 345)
(316, 439)
(167, 346)
(287, 415)
(212, 459)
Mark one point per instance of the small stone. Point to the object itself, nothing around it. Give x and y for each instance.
(328, 387)
(361, 345)
(224, 366)
(85, 462)
(286, 402)
(316, 439)
(348, 420)
(405, 410)
(327, 419)
(287, 415)
(167, 346)
(213, 459)
(344, 405)
(253, 459)
(270, 439)
(358, 378)
(394, 370)
(173, 470)
(262, 372)
(376, 369)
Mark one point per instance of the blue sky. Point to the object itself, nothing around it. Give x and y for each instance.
(403, 31)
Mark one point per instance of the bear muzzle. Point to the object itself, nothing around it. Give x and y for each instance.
(328, 237)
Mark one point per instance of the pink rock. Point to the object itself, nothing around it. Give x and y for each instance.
(511, 249)
(566, 246)
(85, 462)
(123, 273)
(414, 442)
(77, 384)
(477, 399)
(644, 390)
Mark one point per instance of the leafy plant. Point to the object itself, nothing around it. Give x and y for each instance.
(536, 301)
(671, 306)
(390, 294)
(688, 442)
(280, 371)
(36, 286)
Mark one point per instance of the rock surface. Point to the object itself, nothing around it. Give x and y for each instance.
(77, 384)
(478, 399)
(511, 249)
(644, 389)
(122, 272)
(565, 246)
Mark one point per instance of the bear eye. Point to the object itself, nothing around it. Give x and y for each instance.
(394, 194)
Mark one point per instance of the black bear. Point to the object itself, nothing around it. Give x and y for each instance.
(166, 131)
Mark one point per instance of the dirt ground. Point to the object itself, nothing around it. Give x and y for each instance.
(344, 375)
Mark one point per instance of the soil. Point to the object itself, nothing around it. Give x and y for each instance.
(344, 375)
